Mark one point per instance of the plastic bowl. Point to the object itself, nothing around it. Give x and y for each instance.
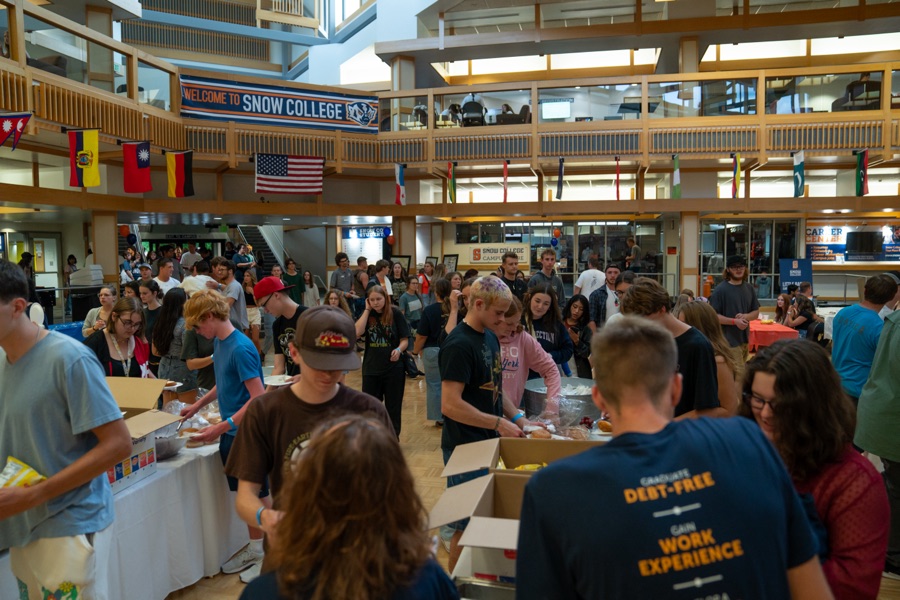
(167, 447)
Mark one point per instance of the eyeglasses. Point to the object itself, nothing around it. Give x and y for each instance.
(758, 402)
(269, 299)
(619, 294)
(131, 324)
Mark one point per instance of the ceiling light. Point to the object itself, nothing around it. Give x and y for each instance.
(217, 218)
(286, 219)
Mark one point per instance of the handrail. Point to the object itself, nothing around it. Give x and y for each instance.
(276, 243)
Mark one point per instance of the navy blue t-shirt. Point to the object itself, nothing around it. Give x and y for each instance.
(430, 584)
(431, 324)
(702, 509)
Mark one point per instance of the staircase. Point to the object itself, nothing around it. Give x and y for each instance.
(263, 252)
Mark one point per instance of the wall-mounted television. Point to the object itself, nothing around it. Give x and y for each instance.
(556, 110)
(864, 242)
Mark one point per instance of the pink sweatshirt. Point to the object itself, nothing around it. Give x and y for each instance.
(519, 353)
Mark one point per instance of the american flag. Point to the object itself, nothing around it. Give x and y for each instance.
(285, 174)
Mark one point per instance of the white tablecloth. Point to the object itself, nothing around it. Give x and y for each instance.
(171, 529)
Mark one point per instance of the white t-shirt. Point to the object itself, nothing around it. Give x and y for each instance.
(165, 286)
(612, 305)
(188, 259)
(614, 318)
(590, 280)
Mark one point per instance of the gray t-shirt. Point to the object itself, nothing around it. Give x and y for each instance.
(239, 308)
(342, 280)
(729, 300)
(50, 400)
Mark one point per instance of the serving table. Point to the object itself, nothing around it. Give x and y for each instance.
(170, 530)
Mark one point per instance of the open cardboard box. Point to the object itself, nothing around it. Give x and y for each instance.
(493, 503)
(137, 399)
(486, 454)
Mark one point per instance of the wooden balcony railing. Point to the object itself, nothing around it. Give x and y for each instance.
(14, 88)
(185, 39)
(214, 10)
(828, 136)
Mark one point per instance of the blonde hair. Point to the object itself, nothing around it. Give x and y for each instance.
(489, 290)
(203, 303)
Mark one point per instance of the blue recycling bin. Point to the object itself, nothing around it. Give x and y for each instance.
(73, 330)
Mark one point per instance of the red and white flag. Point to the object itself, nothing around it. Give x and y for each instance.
(13, 125)
(286, 174)
(400, 197)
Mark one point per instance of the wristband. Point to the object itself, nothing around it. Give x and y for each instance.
(230, 421)
(497, 424)
(733, 321)
(517, 417)
(259, 515)
(398, 350)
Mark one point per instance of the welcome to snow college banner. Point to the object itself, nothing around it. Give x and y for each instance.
(220, 100)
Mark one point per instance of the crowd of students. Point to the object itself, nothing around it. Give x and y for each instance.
(292, 453)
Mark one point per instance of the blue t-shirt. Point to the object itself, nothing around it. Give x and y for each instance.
(855, 339)
(50, 400)
(431, 583)
(702, 509)
(235, 361)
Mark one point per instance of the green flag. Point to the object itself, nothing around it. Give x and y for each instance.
(862, 172)
(676, 179)
(799, 175)
(451, 182)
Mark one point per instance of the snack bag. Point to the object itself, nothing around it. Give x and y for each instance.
(18, 474)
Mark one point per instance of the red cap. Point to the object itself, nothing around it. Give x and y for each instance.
(268, 286)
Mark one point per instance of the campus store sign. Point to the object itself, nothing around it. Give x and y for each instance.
(492, 254)
(364, 241)
(219, 100)
(857, 243)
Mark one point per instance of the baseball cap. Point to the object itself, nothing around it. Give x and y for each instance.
(326, 339)
(144, 266)
(735, 260)
(269, 285)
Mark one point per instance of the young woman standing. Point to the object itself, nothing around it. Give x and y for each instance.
(542, 320)
(310, 295)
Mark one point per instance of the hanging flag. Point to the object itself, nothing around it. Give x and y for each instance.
(451, 182)
(676, 179)
(286, 174)
(736, 174)
(13, 125)
(559, 178)
(862, 172)
(180, 168)
(84, 158)
(505, 179)
(799, 175)
(400, 197)
(136, 157)
(617, 178)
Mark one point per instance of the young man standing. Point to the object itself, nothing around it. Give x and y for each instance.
(223, 269)
(670, 492)
(168, 251)
(735, 301)
(239, 379)
(548, 276)
(509, 274)
(271, 296)
(189, 258)
(471, 372)
(242, 262)
(603, 301)
(166, 278)
(856, 332)
(590, 279)
(277, 427)
(342, 277)
(696, 357)
(633, 260)
(146, 272)
(58, 416)
(360, 283)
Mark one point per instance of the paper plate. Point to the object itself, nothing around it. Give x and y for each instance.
(278, 380)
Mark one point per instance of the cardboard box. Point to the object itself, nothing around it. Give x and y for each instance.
(137, 399)
(493, 504)
(514, 452)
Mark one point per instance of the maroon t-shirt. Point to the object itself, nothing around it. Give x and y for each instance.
(277, 426)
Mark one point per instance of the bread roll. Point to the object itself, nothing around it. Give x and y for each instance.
(604, 426)
(540, 434)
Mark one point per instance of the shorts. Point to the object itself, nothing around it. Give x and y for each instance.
(225, 443)
(253, 316)
(453, 480)
(73, 566)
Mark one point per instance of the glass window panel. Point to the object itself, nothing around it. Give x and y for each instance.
(154, 86)
(824, 93)
(491, 233)
(55, 51)
(724, 97)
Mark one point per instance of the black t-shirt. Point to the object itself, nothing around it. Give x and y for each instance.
(729, 300)
(249, 298)
(697, 365)
(473, 359)
(431, 325)
(283, 330)
(517, 286)
(381, 340)
(810, 319)
(150, 317)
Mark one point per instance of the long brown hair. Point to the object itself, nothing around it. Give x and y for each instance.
(781, 313)
(814, 418)
(703, 317)
(126, 306)
(342, 302)
(387, 313)
(354, 527)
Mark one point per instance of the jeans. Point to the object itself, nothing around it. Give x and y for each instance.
(388, 387)
(268, 342)
(432, 384)
(892, 483)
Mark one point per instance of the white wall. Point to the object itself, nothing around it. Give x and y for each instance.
(307, 248)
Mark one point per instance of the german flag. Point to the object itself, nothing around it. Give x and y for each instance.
(84, 158)
(179, 166)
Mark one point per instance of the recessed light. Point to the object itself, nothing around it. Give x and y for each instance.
(887, 210)
(217, 218)
(827, 211)
(286, 219)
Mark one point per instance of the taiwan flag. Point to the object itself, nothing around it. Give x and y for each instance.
(136, 157)
(84, 158)
(179, 166)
